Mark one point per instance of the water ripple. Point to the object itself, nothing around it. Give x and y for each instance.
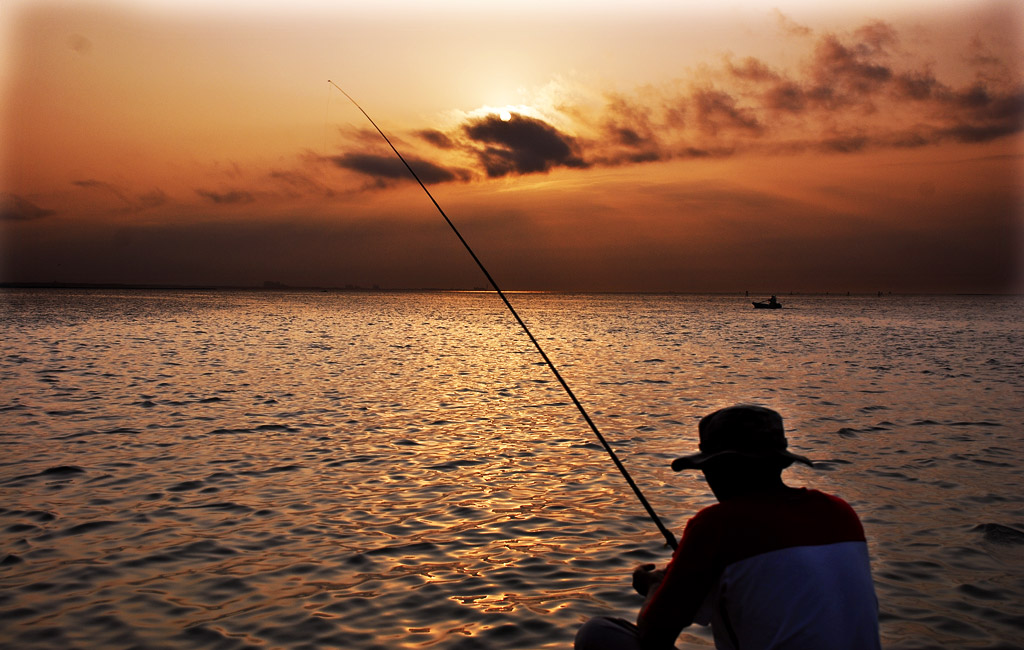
(243, 470)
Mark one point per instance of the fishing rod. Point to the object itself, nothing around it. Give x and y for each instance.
(669, 537)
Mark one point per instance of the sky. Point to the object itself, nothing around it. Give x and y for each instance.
(769, 147)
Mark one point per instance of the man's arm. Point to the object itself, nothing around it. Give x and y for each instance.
(664, 613)
(645, 577)
(676, 593)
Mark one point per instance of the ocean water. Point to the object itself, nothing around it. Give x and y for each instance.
(399, 470)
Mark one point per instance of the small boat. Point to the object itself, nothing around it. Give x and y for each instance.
(771, 303)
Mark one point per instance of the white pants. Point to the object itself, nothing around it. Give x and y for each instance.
(603, 633)
(606, 633)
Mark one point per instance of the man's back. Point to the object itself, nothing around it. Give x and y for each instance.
(782, 570)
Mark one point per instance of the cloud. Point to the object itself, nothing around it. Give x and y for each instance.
(978, 133)
(717, 111)
(132, 203)
(227, 198)
(752, 69)
(845, 143)
(853, 92)
(980, 54)
(91, 184)
(915, 84)
(986, 104)
(791, 27)
(80, 44)
(856, 91)
(629, 125)
(388, 167)
(521, 145)
(847, 74)
(437, 138)
(785, 96)
(496, 147)
(296, 184)
(153, 199)
(16, 208)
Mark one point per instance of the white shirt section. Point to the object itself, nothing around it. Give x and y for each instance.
(798, 598)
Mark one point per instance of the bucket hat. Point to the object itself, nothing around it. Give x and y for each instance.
(743, 430)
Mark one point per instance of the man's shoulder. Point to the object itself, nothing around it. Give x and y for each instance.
(792, 515)
(791, 499)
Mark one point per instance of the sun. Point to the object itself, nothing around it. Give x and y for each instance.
(503, 112)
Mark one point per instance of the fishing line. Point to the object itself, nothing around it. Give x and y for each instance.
(669, 538)
(327, 118)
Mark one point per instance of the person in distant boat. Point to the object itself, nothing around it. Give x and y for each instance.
(773, 301)
(768, 566)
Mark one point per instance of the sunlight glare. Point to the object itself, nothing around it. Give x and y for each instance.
(503, 113)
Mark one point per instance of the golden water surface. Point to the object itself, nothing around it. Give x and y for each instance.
(399, 470)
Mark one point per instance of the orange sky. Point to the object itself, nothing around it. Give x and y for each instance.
(769, 147)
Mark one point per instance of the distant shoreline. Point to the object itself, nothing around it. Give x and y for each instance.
(278, 287)
(270, 286)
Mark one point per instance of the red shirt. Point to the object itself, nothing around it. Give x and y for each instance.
(786, 570)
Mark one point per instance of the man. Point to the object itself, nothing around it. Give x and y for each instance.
(768, 567)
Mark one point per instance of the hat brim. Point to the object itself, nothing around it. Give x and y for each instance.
(700, 460)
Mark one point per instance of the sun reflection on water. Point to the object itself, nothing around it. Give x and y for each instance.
(400, 470)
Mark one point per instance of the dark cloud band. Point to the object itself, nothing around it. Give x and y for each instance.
(16, 208)
(520, 145)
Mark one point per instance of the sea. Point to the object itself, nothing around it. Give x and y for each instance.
(399, 470)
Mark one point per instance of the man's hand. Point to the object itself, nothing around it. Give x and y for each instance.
(646, 576)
